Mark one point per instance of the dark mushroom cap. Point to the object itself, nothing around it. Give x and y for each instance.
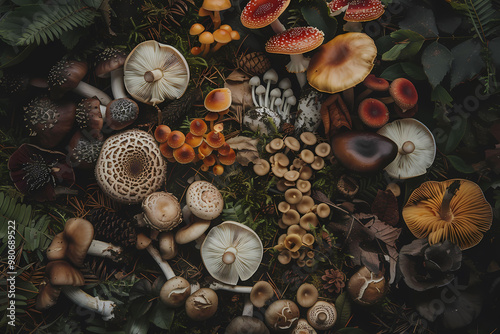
(47, 295)
(109, 60)
(363, 152)
(61, 273)
(48, 121)
(37, 172)
(84, 151)
(246, 325)
(366, 287)
(374, 83)
(65, 75)
(88, 116)
(282, 315)
(120, 113)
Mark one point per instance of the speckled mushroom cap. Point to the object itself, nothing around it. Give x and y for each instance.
(322, 315)
(232, 251)
(130, 166)
(162, 211)
(261, 13)
(204, 200)
(295, 41)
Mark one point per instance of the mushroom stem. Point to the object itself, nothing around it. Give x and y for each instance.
(277, 27)
(86, 90)
(164, 266)
(445, 212)
(216, 19)
(322, 316)
(247, 307)
(364, 94)
(104, 249)
(104, 307)
(407, 148)
(117, 85)
(229, 255)
(205, 50)
(217, 47)
(232, 288)
(154, 75)
(386, 100)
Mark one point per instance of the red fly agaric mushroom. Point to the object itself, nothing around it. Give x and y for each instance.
(261, 13)
(295, 42)
(110, 64)
(404, 93)
(67, 75)
(357, 10)
(342, 63)
(373, 113)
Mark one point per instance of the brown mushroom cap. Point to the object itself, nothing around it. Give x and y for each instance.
(175, 291)
(305, 205)
(348, 58)
(215, 139)
(307, 295)
(374, 83)
(193, 141)
(261, 167)
(308, 239)
(285, 256)
(246, 324)
(404, 93)
(296, 229)
(218, 100)
(291, 175)
(176, 139)
(307, 156)
(121, 112)
(184, 154)
(282, 315)
(322, 315)
(277, 144)
(191, 232)
(109, 60)
(261, 292)
(47, 295)
(293, 196)
(78, 234)
(283, 207)
(61, 273)
(130, 166)
(454, 210)
(198, 127)
(291, 217)
(204, 200)
(322, 150)
(303, 186)
(142, 241)
(306, 173)
(202, 304)
(292, 143)
(308, 138)
(293, 242)
(366, 287)
(161, 133)
(303, 327)
(323, 210)
(167, 245)
(318, 163)
(307, 220)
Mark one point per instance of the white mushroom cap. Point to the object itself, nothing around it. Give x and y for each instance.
(303, 327)
(162, 211)
(204, 200)
(175, 291)
(416, 148)
(322, 315)
(154, 72)
(130, 166)
(231, 251)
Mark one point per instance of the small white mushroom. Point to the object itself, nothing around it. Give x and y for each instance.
(204, 200)
(254, 82)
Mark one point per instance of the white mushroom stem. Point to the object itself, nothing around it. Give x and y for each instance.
(278, 103)
(104, 249)
(254, 82)
(103, 307)
(261, 91)
(275, 93)
(117, 85)
(247, 307)
(229, 255)
(86, 90)
(103, 111)
(407, 148)
(269, 77)
(154, 75)
(164, 266)
(232, 288)
(277, 26)
(290, 101)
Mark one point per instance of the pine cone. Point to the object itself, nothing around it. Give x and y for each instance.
(110, 227)
(335, 280)
(176, 110)
(288, 129)
(255, 63)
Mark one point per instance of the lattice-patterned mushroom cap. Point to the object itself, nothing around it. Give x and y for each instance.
(130, 166)
(204, 200)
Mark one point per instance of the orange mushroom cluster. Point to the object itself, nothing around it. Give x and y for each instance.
(218, 38)
(203, 142)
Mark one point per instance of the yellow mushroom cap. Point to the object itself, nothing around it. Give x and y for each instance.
(470, 214)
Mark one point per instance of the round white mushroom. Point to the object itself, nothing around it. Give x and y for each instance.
(204, 200)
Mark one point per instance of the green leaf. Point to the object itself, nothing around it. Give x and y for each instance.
(162, 316)
(440, 94)
(317, 16)
(343, 306)
(459, 164)
(384, 44)
(137, 326)
(420, 20)
(436, 60)
(406, 34)
(455, 134)
(408, 43)
(393, 72)
(413, 70)
(494, 47)
(467, 61)
(13, 55)
(394, 52)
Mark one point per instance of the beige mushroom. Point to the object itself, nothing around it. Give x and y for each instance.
(279, 170)
(323, 210)
(281, 186)
(282, 315)
(285, 256)
(283, 207)
(322, 315)
(281, 224)
(269, 149)
(160, 211)
(307, 295)
(167, 245)
(175, 291)
(322, 150)
(291, 217)
(281, 159)
(261, 292)
(261, 167)
(293, 242)
(293, 196)
(318, 163)
(202, 304)
(142, 241)
(308, 138)
(303, 327)
(296, 229)
(307, 220)
(292, 144)
(303, 185)
(291, 175)
(191, 232)
(305, 205)
(308, 239)
(204, 200)
(298, 163)
(367, 288)
(306, 173)
(307, 156)
(295, 255)
(396, 190)
(276, 144)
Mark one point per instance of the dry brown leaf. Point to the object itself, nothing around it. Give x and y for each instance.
(385, 207)
(241, 92)
(246, 149)
(335, 115)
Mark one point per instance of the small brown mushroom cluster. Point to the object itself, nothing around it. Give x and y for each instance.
(202, 142)
(222, 36)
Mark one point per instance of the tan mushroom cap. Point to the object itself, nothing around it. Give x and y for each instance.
(303, 185)
(130, 166)
(61, 273)
(307, 156)
(433, 212)
(191, 232)
(293, 242)
(322, 316)
(366, 287)
(305, 205)
(218, 100)
(296, 229)
(204, 200)
(293, 196)
(291, 217)
(283, 207)
(318, 163)
(175, 291)
(306, 173)
(322, 150)
(162, 211)
(308, 138)
(342, 63)
(281, 185)
(277, 144)
(282, 315)
(261, 167)
(142, 241)
(47, 295)
(202, 304)
(261, 292)
(77, 236)
(307, 295)
(281, 159)
(323, 210)
(216, 5)
(167, 245)
(291, 175)
(279, 170)
(307, 220)
(308, 239)
(285, 256)
(292, 143)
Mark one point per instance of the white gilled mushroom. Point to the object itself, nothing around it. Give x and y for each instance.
(204, 200)
(154, 72)
(161, 211)
(322, 315)
(130, 166)
(282, 315)
(231, 251)
(202, 304)
(416, 148)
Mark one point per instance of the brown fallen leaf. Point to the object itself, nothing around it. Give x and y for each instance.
(385, 207)
(241, 92)
(335, 115)
(246, 149)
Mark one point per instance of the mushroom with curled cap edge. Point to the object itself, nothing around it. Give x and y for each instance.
(322, 315)
(416, 148)
(364, 152)
(154, 72)
(454, 210)
(130, 167)
(357, 10)
(204, 200)
(202, 304)
(49, 122)
(161, 211)
(110, 64)
(67, 75)
(231, 251)
(348, 58)
(307, 295)
(367, 288)
(40, 173)
(282, 315)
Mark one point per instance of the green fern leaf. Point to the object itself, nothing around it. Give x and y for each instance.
(482, 15)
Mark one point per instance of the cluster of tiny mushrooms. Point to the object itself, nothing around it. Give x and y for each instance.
(130, 167)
